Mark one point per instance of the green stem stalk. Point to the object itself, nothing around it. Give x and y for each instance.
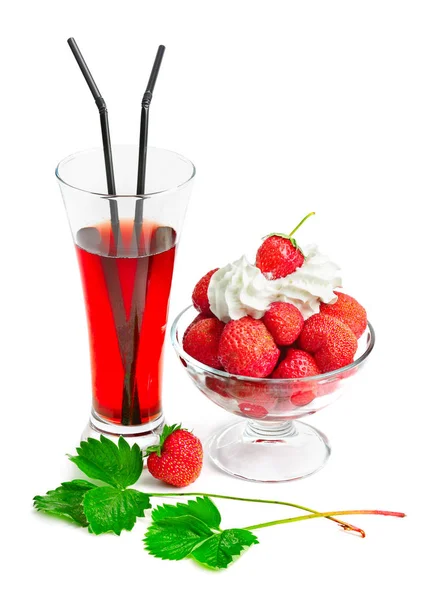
(345, 526)
(325, 515)
(301, 223)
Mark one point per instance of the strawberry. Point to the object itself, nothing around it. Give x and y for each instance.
(247, 348)
(178, 457)
(253, 411)
(199, 317)
(332, 343)
(284, 322)
(256, 391)
(201, 341)
(349, 311)
(255, 398)
(303, 393)
(298, 364)
(279, 255)
(218, 385)
(200, 294)
(328, 387)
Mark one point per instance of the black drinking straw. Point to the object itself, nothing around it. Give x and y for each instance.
(110, 271)
(104, 122)
(131, 413)
(144, 129)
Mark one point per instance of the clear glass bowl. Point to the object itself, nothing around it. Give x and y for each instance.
(268, 445)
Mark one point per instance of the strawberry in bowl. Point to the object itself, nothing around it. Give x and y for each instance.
(272, 341)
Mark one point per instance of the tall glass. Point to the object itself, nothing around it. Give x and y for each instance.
(126, 272)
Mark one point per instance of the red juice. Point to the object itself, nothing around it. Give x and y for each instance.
(126, 295)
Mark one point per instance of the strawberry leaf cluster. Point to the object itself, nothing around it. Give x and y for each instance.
(101, 508)
(193, 530)
(110, 505)
(177, 531)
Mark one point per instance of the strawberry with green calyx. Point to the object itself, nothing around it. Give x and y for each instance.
(279, 255)
(178, 457)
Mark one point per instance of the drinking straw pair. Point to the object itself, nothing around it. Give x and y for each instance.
(107, 149)
(128, 328)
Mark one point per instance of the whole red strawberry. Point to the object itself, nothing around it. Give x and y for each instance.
(200, 294)
(284, 322)
(296, 365)
(279, 255)
(332, 343)
(201, 341)
(199, 317)
(247, 348)
(178, 457)
(349, 311)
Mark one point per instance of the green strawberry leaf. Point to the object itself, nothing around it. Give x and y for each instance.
(175, 538)
(183, 530)
(218, 551)
(66, 500)
(202, 508)
(118, 465)
(109, 509)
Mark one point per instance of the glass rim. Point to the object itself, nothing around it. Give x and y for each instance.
(109, 196)
(321, 377)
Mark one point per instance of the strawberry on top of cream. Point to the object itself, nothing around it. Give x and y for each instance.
(240, 288)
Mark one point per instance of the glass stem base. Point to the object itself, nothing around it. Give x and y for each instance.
(269, 451)
(144, 435)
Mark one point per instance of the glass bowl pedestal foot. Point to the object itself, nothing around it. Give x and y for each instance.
(267, 451)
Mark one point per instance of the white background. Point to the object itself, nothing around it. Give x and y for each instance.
(284, 107)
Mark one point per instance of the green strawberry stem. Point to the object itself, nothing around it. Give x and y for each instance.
(345, 526)
(325, 515)
(300, 224)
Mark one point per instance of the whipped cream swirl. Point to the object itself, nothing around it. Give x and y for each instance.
(241, 289)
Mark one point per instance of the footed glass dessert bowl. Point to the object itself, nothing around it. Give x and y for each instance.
(269, 443)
